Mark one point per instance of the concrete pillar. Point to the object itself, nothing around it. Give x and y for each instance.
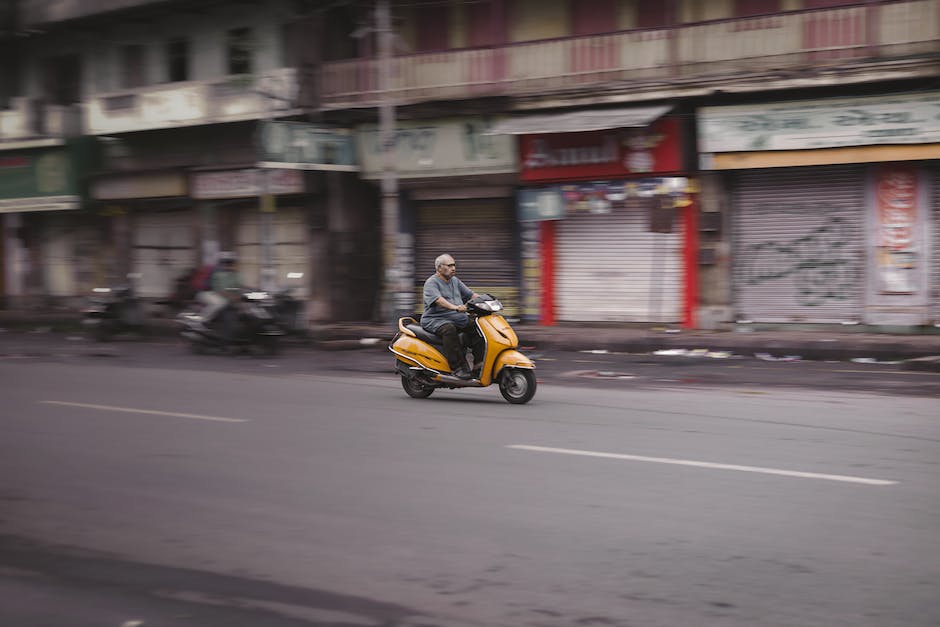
(715, 305)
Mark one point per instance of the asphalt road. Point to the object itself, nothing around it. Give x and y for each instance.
(139, 484)
(602, 370)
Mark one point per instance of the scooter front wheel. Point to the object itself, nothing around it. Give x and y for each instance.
(517, 385)
(414, 388)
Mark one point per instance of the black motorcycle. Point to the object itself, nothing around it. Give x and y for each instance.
(112, 311)
(287, 311)
(254, 328)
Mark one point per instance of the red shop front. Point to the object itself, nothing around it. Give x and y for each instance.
(608, 225)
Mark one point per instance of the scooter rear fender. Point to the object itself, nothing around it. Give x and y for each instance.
(412, 350)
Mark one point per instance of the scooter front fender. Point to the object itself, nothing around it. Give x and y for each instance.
(511, 358)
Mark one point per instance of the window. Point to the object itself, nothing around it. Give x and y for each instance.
(655, 14)
(177, 60)
(822, 4)
(749, 8)
(486, 23)
(433, 22)
(589, 17)
(62, 79)
(132, 66)
(240, 44)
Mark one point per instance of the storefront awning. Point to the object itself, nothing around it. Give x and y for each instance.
(579, 121)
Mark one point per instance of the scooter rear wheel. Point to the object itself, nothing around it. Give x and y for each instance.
(414, 388)
(517, 385)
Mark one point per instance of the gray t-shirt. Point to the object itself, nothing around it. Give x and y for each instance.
(454, 292)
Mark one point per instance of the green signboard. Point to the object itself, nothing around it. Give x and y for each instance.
(301, 146)
(37, 172)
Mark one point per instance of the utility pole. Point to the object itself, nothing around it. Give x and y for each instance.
(266, 209)
(396, 295)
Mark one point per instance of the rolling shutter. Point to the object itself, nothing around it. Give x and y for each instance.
(610, 267)
(480, 235)
(290, 247)
(799, 245)
(164, 248)
(933, 228)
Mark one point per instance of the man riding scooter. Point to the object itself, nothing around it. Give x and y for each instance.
(445, 314)
(220, 301)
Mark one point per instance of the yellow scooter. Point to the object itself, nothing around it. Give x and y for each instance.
(423, 368)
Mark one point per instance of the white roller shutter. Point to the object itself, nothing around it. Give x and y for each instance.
(799, 244)
(290, 248)
(610, 267)
(933, 246)
(164, 248)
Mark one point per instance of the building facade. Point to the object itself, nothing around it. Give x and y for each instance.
(674, 221)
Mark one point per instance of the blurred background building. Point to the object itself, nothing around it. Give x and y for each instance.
(692, 162)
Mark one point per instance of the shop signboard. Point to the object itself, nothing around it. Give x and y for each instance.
(537, 204)
(38, 180)
(245, 183)
(615, 153)
(302, 146)
(438, 148)
(912, 118)
(128, 186)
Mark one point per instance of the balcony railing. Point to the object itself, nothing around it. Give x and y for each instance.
(193, 102)
(741, 46)
(28, 119)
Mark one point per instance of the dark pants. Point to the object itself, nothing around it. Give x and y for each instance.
(454, 351)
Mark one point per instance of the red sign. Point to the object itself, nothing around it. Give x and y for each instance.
(616, 153)
(896, 198)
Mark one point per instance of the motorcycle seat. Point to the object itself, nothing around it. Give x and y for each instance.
(423, 334)
(433, 338)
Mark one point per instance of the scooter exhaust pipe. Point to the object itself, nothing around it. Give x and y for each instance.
(435, 376)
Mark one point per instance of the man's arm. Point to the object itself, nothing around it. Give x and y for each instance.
(446, 304)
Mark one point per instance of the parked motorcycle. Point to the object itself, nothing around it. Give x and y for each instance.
(288, 311)
(255, 328)
(423, 368)
(111, 311)
(182, 293)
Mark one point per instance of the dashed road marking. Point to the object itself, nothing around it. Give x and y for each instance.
(131, 410)
(711, 465)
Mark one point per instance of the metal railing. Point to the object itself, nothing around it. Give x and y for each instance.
(780, 42)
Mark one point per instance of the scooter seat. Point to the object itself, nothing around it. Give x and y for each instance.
(423, 334)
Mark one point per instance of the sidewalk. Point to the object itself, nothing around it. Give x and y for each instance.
(920, 352)
(811, 345)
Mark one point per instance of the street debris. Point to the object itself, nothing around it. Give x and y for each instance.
(695, 352)
(872, 360)
(769, 357)
(609, 374)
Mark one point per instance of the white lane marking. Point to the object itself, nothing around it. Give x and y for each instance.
(153, 412)
(687, 462)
